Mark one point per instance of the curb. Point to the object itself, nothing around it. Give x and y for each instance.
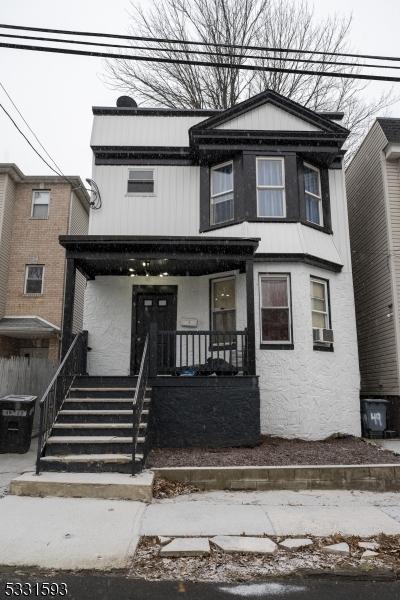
(372, 478)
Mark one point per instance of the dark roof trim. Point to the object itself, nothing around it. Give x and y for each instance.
(153, 112)
(333, 116)
(276, 99)
(159, 244)
(308, 259)
(391, 129)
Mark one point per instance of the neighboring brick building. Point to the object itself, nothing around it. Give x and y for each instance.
(34, 211)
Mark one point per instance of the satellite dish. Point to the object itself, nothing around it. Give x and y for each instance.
(126, 102)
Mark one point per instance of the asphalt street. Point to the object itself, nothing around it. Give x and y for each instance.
(116, 587)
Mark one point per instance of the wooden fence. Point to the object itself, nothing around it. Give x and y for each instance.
(31, 376)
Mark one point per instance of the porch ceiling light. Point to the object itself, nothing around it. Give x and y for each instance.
(132, 270)
(165, 274)
(133, 275)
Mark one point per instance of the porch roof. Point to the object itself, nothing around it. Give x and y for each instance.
(174, 255)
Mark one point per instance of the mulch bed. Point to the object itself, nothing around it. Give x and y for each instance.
(274, 451)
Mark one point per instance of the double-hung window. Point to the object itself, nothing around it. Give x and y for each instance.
(141, 182)
(223, 304)
(275, 312)
(34, 279)
(313, 195)
(40, 204)
(271, 187)
(321, 318)
(221, 193)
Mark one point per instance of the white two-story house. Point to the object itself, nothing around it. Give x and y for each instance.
(225, 234)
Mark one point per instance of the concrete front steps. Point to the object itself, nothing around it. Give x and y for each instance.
(111, 486)
(93, 432)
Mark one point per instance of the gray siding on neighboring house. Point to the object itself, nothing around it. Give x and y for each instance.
(371, 256)
(78, 225)
(7, 200)
(393, 192)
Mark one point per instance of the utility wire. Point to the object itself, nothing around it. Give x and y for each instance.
(30, 128)
(59, 173)
(31, 145)
(198, 43)
(201, 52)
(180, 61)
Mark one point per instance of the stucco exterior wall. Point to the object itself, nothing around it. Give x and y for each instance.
(306, 393)
(303, 393)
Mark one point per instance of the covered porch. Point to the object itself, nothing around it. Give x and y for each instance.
(174, 290)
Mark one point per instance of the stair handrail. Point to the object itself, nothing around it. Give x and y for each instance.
(138, 399)
(72, 364)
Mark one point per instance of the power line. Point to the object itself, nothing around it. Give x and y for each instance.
(198, 43)
(200, 52)
(31, 145)
(179, 61)
(30, 128)
(59, 173)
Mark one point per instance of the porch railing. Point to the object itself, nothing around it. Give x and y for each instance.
(73, 363)
(202, 352)
(138, 403)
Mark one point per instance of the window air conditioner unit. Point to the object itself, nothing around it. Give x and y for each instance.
(323, 336)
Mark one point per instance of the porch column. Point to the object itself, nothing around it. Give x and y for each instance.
(68, 310)
(251, 328)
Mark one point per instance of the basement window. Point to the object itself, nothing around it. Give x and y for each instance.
(141, 182)
(34, 279)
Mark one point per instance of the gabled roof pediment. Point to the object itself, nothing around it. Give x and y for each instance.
(269, 111)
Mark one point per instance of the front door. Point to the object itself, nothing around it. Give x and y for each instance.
(155, 304)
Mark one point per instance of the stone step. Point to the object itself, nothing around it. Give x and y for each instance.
(116, 486)
(88, 416)
(91, 463)
(98, 403)
(88, 439)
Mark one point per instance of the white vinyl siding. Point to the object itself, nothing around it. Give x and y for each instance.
(372, 277)
(268, 117)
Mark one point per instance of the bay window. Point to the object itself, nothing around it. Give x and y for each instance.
(221, 193)
(313, 196)
(271, 187)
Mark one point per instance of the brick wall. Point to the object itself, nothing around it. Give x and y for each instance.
(36, 241)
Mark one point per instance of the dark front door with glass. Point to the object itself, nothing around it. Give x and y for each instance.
(153, 306)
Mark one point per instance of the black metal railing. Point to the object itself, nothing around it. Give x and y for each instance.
(202, 352)
(73, 363)
(138, 403)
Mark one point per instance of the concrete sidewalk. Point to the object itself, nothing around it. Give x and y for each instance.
(318, 513)
(72, 533)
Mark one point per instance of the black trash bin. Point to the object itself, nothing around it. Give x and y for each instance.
(16, 421)
(373, 417)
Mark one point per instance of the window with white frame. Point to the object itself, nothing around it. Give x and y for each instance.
(313, 195)
(221, 193)
(141, 182)
(320, 304)
(275, 311)
(40, 204)
(223, 304)
(34, 279)
(271, 187)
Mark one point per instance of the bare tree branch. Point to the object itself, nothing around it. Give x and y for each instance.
(272, 23)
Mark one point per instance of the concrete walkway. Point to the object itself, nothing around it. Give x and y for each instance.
(12, 465)
(72, 533)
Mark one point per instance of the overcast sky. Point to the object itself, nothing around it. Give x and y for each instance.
(55, 93)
